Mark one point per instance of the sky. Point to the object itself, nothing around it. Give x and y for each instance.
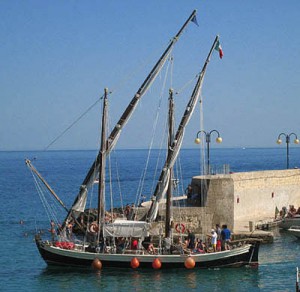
(56, 58)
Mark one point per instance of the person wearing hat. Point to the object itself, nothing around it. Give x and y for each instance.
(214, 236)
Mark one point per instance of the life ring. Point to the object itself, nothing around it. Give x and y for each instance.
(180, 228)
(94, 227)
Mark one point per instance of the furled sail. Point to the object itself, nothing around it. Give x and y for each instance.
(79, 205)
(173, 151)
(113, 137)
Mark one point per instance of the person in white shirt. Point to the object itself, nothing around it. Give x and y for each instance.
(214, 239)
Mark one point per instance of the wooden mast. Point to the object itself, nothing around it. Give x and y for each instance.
(101, 188)
(170, 186)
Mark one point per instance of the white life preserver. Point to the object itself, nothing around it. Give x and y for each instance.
(94, 227)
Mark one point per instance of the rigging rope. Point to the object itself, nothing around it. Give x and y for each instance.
(115, 156)
(39, 187)
(143, 176)
(110, 187)
(119, 185)
(161, 147)
(120, 84)
(146, 62)
(188, 83)
(73, 123)
(202, 163)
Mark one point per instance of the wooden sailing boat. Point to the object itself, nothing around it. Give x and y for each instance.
(101, 244)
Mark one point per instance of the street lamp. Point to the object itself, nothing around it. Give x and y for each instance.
(207, 137)
(287, 141)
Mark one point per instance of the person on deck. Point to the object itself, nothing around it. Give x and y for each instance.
(200, 246)
(70, 230)
(134, 244)
(191, 239)
(292, 211)
(127, 211)
(52, 230)
(189, 192)
(225, 237)
(218, 231)
(213, 237)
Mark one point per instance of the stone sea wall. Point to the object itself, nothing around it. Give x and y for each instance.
(235, 199)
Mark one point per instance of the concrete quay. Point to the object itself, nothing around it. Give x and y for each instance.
(262, 230)
(264, 236)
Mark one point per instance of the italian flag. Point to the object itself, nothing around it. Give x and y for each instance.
(219, 49)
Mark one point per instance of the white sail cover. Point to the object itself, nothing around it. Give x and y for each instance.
(79, 205)
(126, 228)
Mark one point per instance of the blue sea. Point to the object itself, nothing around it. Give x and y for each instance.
(22, 268)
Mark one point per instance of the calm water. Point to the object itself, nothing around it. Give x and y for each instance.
(22, 269)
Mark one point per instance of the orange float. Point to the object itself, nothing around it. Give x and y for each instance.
(189, 263)
(156, 264)
(96, 264)
(134, 263)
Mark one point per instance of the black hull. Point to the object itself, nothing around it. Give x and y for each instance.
(249, 258)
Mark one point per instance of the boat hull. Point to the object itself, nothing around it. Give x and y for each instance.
(241, 256)
(295, 231)
(287, 223)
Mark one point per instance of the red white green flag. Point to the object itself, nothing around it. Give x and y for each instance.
(219, 49)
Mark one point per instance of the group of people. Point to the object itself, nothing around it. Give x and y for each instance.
(219, 240)
(291, 212)
(57, 232)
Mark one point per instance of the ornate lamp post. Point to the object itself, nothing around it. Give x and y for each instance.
(287, 141)
(207, 137)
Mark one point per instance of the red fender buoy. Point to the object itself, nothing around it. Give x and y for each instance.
(134, 263)
(156, 264)
(189, 263)
(96, 264)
